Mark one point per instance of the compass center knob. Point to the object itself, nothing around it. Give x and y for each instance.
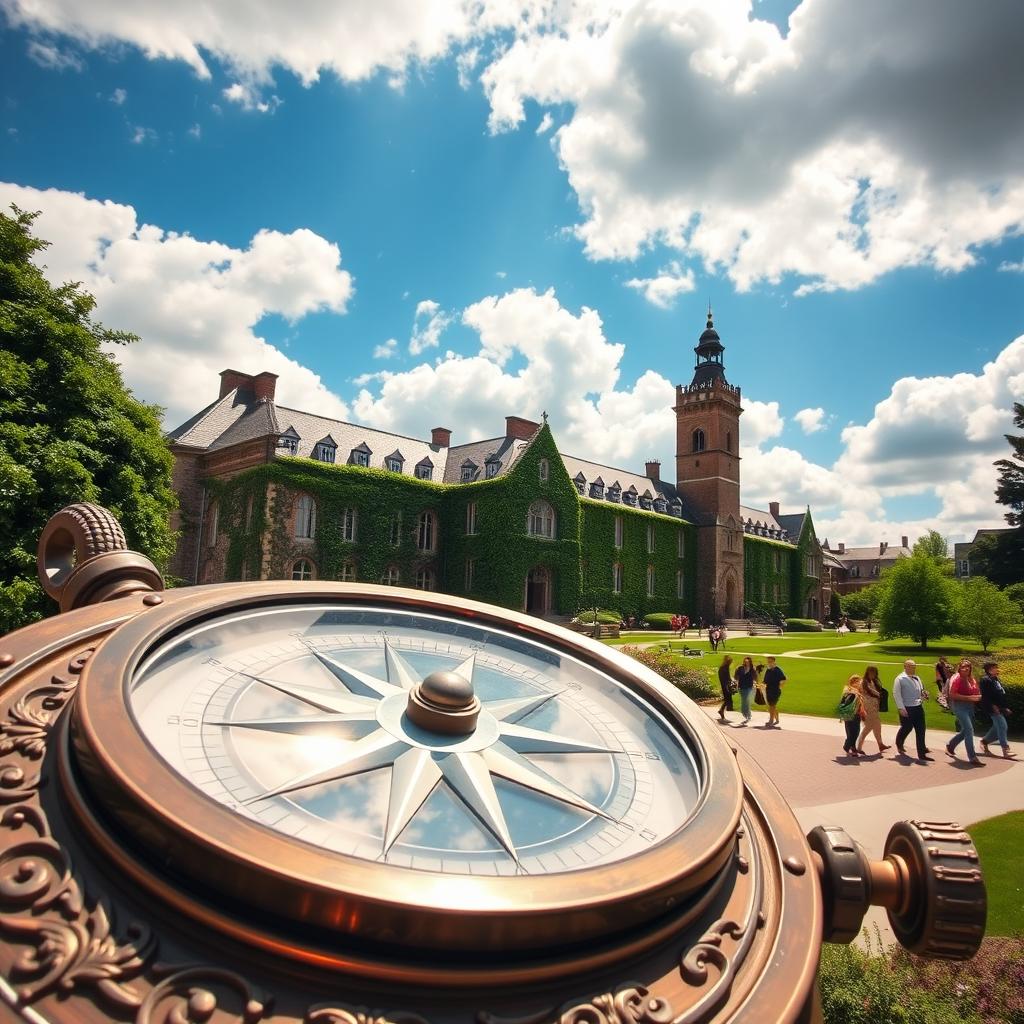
(444, 702)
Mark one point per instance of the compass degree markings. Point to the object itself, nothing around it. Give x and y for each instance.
(417, 770)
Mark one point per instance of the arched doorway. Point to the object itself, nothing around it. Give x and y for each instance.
(732, 610)
(538, 591)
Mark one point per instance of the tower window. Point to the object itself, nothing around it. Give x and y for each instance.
(698, 440)
(728, 440)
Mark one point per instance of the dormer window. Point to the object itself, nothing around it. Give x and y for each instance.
(597, 488)
(394, 462)
(629, 497)
(581, 483)
(660, 504)
(360, 456)
(288, 442)
(645, 502)
(677, 508)
(425, 470)
(325, 450)
(469, 471)
(614, 491)
(492, 468)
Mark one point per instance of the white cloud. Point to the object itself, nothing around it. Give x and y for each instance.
(545, 123)
(666, 286)
(118, 96)
(249, 97)
(386, 350)
(465, 64)
(501, 274)
(761, 421)
(196, 131)
(428, 324)
(195, 304)
(864, 140)
(46, 55)
(1012, 267)
(810, 420)
(141, 134)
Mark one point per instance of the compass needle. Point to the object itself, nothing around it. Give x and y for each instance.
(470, 778)
(516, 708)
(398, 669)
(536, 741)
(377, 750)
(360, 683)
(323, 700)
(504, 761)
(300, 725)
(413, 778)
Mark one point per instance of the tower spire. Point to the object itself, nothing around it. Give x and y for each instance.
(709, 366)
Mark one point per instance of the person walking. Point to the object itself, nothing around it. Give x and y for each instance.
(713, 636)
(725, 682)
(849, 712)
(994, 704)
(723, 635)
(943, 670)
(870, 697)
(908, 692)
(773, 678)
(746, 680)
(963, 694)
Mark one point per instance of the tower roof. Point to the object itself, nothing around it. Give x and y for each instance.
(709, 367)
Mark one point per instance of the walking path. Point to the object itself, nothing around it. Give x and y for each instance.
(867, 795)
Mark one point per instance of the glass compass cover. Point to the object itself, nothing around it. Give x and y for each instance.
(297, 717)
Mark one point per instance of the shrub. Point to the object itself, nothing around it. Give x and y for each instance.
(604, 616)
(695, 683)
(659, 620)
(894, 987)
(802, 626)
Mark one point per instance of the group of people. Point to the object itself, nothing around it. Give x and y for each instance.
(958, 690)
(717, 635)
(864, 698)
(752, 686)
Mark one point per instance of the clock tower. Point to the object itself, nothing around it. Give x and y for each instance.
(708, 477)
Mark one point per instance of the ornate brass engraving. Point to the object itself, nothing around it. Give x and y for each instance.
(631, 1004)
(359, 1015)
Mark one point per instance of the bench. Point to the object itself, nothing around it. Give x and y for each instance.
(763, 629)
(605, 631)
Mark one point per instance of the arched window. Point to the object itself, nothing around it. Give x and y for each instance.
(302, 569)
(650, 581)
(617, 578)
(390, 578)
(698, 440)
(424, 579)
(305, 516)
(348, 524)
(426, 531)
(543, 469)
(540, 521)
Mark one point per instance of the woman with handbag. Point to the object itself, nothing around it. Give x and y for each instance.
(870, 702)
(849, 714)
(746, 680)
(726, 683)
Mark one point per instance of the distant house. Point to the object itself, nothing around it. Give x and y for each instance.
(962, 552)
(862, 566)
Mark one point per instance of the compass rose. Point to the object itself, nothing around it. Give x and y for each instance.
(427, 731)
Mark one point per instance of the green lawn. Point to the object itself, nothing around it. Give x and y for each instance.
(998, 841)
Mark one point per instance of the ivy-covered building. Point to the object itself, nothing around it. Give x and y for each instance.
(270, 492)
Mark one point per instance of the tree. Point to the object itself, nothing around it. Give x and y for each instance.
(934, 545)
(1010, 488)
(987, 612)
(863, 604)
(918, 600)
(69, 428)
(1015, 592)
(999, 557)
(835, 607)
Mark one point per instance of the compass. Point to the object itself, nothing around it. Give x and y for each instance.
(337, 803)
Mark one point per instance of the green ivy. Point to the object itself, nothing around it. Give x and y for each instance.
(760, 575)
(600, 554)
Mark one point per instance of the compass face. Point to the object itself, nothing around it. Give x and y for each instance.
(309, 719)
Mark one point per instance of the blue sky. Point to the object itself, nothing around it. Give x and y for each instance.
(314, 197)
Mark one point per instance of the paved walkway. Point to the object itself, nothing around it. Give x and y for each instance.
(866, 795)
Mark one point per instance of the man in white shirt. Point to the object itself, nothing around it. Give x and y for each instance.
(908, 692)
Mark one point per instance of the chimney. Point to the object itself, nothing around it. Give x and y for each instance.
(842, 547)
(903, 541)
(652, 470)
(441, 436)
(264, 385)
(882, 546)
(231, 379)
(773, 507)
(519, 428)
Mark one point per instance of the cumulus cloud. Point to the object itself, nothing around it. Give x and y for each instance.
(871, 136)
(429, 322)
(141, 134)
(666, 286)
(1012, 266)
(195, 304)
(545, 123)
(249, 97)
(46, 55)
(810, 420)
(118, 96)
(385, 350)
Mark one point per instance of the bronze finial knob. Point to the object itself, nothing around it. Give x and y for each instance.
(444, 702)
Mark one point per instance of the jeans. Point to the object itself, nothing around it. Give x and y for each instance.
(746, 695)
(997, 734)
(914, 720)
(964, 712)
(852, 732)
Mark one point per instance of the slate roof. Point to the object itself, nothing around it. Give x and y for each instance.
(871, 554)
(505, 449)
(793, 524)
(758, 522)
(594, 472)
(210, 423)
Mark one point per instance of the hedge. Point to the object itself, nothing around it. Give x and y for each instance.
(695, 683)
(802, 626)
(660, 620)
(604, 616)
